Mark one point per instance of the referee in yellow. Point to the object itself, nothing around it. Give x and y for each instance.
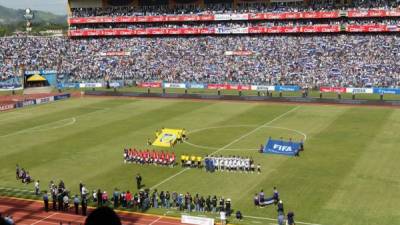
(198, 161)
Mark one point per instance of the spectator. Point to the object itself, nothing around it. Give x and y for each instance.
(103, 215)
(37, 188)
(76, 204)
(352, 60)
(46, 201)
(290, 218)
(281, 219)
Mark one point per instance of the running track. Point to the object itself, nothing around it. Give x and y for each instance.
(30, 212)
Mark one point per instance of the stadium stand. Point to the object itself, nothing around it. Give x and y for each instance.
(310, 44)
(345, 60)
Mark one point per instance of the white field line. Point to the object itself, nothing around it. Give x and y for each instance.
(272, 219)
(14, 115)
(55, 127)
(169, 178)
(16, 189)
(254, 130)
(155, 221)
(47, 217)
(229, 144)
(239, 149)
(43, 125)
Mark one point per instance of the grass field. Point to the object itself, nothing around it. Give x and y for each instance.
(347, 174)
(312, 94)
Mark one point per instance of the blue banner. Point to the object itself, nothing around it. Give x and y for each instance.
(67, 85)
(10, 84)
(196, 85)
(394, 91)
(60, 97)
(287, 88)
(28, 102)
(41, 72)
(281, 147)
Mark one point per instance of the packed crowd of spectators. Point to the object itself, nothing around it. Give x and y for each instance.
(230, 8)
(237, 24)
(333, 60)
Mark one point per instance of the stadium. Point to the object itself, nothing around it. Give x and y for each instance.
(168, 112)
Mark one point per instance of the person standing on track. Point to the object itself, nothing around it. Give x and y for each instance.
(76, 204)
(46, 201)
(138, 181)
(54, 198)
(84, 206)
(99, 198)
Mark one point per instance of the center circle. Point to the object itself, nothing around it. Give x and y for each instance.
(237, 126)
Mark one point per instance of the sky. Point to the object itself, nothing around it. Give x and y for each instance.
(55, 6)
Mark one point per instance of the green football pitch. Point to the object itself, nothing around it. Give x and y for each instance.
(348, 173)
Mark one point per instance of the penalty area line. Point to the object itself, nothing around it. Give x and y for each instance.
(230, 143)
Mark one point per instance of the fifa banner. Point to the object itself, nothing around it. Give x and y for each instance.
(174, 85)
(281, 147)
(333, 89)
(262, 88)
(287, 88)
(360, 90)
(395, 91)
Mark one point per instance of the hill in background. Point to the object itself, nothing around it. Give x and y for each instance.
(14, 16)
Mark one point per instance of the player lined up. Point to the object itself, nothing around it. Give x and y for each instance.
(149, 157)
(231, 163)
(191, 161)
